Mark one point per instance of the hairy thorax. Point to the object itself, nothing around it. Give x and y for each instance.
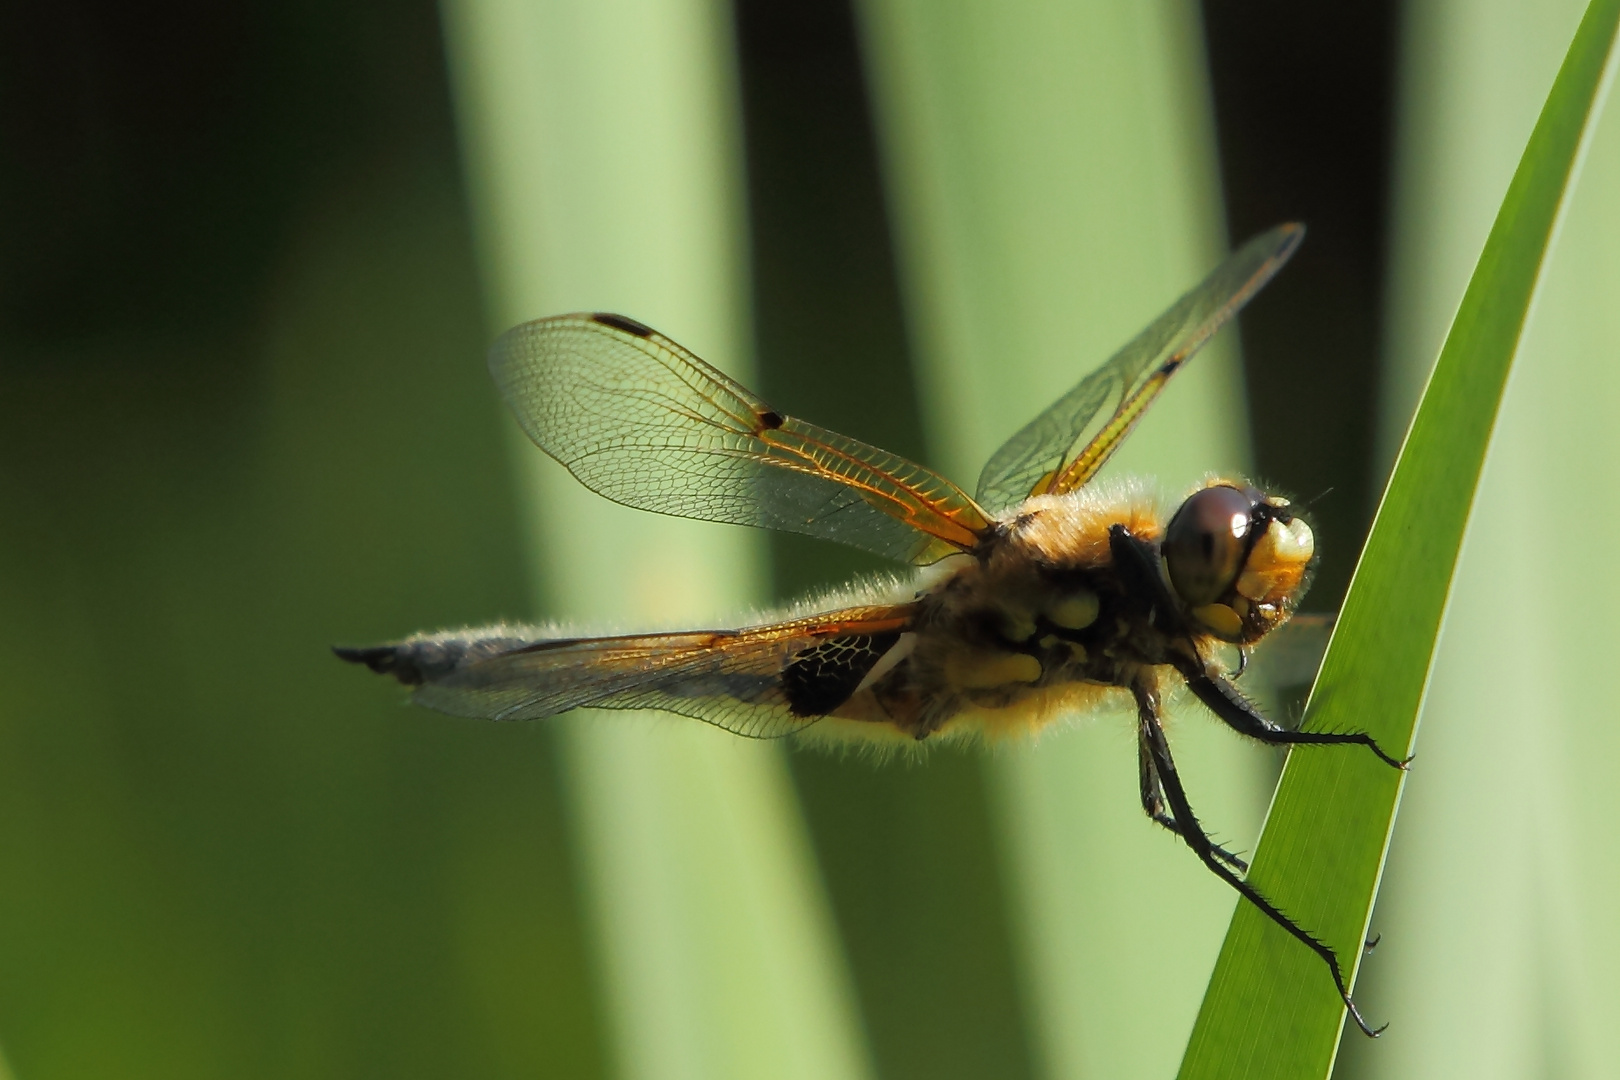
(1037, 625)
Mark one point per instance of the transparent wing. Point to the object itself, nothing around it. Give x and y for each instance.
(763, 681)
(1063, 447)
(1291, 654)
(640, 420)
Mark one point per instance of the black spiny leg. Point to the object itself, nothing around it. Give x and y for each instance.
(1153, 804)
(1227, 702)
(1152, 733)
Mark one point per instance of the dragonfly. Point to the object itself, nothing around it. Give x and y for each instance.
(1046, 594)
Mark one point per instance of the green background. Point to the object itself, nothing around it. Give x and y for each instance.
(249, 261)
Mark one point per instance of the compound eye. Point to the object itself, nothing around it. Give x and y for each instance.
(1204, 546)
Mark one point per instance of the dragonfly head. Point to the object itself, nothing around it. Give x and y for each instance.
(1239, 559)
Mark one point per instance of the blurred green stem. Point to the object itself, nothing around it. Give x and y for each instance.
(1052, 175)
(603, 160)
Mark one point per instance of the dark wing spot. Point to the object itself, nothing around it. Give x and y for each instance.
(623, 322)
(771, 419)
(819, 679)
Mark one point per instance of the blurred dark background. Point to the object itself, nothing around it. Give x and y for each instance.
(243, 413)
(1304, 95)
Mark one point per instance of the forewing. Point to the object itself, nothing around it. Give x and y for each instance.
(762, 682)
(640, 420)
(1063, 447)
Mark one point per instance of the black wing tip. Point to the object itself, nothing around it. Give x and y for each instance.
(392, 660)
(429, 658)
(624, 323)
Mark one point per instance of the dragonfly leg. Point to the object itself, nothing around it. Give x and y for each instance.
(1152, 735)
(1227, 702)
(1153, 805)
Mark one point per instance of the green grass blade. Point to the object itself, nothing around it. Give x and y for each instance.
(1270, 1010)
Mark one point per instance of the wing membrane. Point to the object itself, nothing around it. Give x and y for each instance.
(642, 421)
(1063, 448)
(740, 680)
